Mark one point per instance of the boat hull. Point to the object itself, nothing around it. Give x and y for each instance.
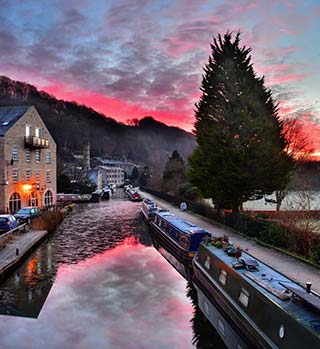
(216, 296)
(183, 256)
(228, 334)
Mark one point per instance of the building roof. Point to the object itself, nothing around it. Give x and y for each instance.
(10, 115)
(114, 162)
(108, 168)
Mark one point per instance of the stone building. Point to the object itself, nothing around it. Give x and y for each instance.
(27, 160)
(112, 175)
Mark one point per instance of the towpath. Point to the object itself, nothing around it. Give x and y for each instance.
(18, 248)
(286, 265)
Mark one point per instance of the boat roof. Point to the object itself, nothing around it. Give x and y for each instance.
(180, 223)
(279, 288)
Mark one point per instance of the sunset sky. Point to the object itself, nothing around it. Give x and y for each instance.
(129, 59)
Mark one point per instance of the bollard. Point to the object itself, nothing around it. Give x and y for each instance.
(308, 287)
(17, 252)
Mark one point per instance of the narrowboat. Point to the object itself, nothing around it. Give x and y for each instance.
(182, 269)
(133, 195)
(96, 196)
(147, 210)
(178, 236)
(269, 309)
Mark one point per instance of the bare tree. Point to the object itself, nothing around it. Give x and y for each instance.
(299, 146)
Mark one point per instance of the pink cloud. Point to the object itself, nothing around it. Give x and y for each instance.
(282, 79)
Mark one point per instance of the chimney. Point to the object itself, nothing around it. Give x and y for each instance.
(86, 156)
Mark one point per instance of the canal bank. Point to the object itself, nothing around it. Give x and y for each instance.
(18, 249)
(286, 265)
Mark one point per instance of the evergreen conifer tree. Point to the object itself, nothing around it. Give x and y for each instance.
(241, 148)
(174, 173)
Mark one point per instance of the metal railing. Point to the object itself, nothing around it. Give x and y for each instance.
(9, 235)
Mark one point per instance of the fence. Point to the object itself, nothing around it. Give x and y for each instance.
(274, 233)
(8, 236)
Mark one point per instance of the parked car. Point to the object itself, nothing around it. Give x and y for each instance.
(26, 214)
(7, 222)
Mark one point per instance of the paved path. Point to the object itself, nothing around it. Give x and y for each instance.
(286, 265)
(24, 243)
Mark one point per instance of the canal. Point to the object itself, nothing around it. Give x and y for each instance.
(98, 282)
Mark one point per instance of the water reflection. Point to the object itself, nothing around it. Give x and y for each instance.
(127, 297)
(107, 287)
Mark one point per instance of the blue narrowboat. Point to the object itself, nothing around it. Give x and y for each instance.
(147, 210)
(178, 236)
(268, 308)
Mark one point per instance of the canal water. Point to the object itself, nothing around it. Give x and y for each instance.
(98, 282)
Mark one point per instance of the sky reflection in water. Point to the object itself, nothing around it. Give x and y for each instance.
(127, 297)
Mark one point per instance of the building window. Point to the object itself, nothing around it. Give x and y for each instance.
(33, 199)
(48, 176)
(28, 131)
(48, 157)
(15, 153)
(38, 155)
(37, 176)
(14, 203)
(28, 155)
(28, 174)
(223, 277)
(244, 297)
(15, 175)
(37, 132)
(48, 198)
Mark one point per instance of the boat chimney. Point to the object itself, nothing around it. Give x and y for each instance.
(308, 284)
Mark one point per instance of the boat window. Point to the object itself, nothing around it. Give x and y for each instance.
(223, 277)
(281, 331)
(244, 297)
(207, 262)
(160, 222)
(221, 327)
(206, 308)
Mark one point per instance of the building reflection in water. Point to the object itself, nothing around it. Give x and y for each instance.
(24, 292)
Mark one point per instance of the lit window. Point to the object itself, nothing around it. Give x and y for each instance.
(37, 132)
(223, 277)
(15, 153)
(48, 177)
(244, 297)
(15, 175)
(48, 157)
(28, 174)
(14, 203)
(28, 155)
(48, 198)
(38, 155)
(28, 131)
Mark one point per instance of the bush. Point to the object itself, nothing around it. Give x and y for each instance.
(316, 253)
(49, 220)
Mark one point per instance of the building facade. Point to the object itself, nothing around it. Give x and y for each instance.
(112, 175)
(27, 160)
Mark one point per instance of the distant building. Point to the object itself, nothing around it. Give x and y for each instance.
(27, 160)
(125, 165)
(114, 175)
